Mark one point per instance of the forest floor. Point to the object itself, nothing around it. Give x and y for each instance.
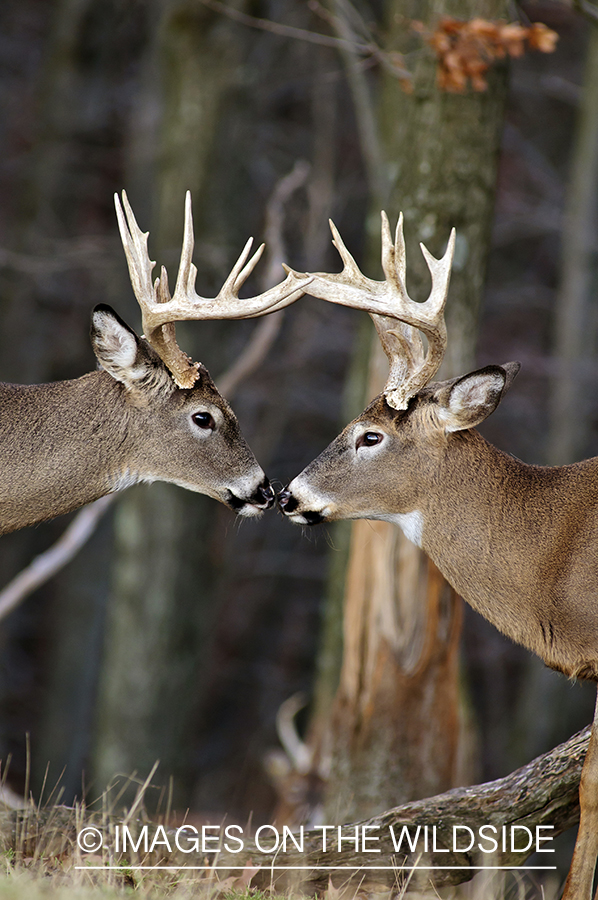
(65, 879)
(72, 853)
(50, 852)
(21, 884)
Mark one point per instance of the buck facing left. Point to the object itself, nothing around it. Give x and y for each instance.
(518, 542)
(148, 414)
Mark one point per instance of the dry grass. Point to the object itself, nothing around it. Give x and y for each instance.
(40, 857)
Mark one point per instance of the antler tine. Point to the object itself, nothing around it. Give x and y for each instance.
(400, 256)
(398, 392)
(388, 251)
(187, 304)
(187, 273)
(244, 275)
(151, 296)
(397, 317)
(240, 272)
(440, 270)
(135, 246)
(160, 311)
(401, 343)
(350, 267)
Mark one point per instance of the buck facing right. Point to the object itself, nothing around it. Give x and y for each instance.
(518, 542)
(148, 414)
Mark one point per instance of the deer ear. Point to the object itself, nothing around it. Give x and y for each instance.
(472, 398)
(123, 355)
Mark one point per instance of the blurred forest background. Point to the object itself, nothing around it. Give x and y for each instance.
(177, 633)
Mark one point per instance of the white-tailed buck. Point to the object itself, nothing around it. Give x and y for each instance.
(518, 542)
(148, 414)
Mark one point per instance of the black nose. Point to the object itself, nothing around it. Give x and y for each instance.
(287, 502)
(264, 495)
(313, 518)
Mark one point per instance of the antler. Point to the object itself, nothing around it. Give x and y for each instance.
(398, 318)
(160, 311)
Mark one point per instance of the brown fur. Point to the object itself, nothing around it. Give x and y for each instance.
(518, 542)
(68, 443)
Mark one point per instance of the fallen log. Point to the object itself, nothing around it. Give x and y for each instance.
(443, 840)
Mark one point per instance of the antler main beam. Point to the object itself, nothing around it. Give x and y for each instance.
(389, 304)
(160, 311)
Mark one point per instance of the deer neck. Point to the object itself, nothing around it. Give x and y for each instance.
(66, 445)
(501, 531)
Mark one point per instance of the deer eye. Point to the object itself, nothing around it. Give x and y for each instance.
(368, 439)
(203, 420)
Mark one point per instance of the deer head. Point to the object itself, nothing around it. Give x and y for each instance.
(149, 414)
(373, 468)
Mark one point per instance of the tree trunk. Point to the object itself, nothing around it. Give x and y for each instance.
(396, 721)
(576, 322)
(61, 236)
(160, 608)
(397, 703)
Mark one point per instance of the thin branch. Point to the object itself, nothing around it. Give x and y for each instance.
(587, 8)
(301, 34)
(252, 356)
(266, 332)
(364, 110)
(56, 557)
(64, 254)
(368, 49)
(352, 19)
(273, 231)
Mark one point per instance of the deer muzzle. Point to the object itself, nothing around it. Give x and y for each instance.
(253, 505)
(291, 507)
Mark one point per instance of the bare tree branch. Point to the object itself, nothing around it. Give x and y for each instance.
(56, 557)
(277, 27)
(88, 252)
(369, 48)
(349, 20)
(586, 7)
(266, 332)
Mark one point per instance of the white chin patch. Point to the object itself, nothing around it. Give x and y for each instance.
(249, 511)
(297, 518)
